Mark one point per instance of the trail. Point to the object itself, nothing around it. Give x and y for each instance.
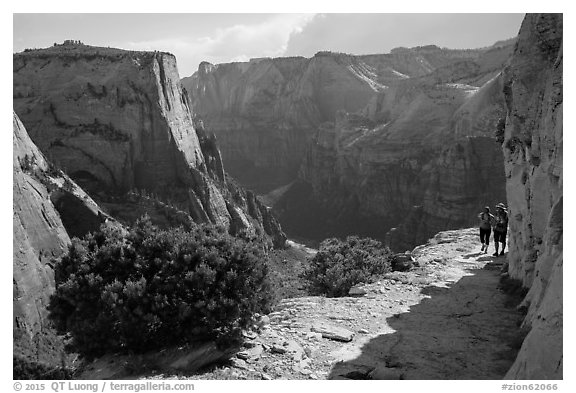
(459, 326)
(446, 319)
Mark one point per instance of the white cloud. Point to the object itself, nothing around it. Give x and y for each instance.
(239, 42)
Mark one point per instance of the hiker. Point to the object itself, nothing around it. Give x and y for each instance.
(500, 228)
(486, 222)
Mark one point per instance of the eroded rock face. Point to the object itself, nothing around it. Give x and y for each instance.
(49, 208)
(401, 140)
(117, 120)
(266, 111)
(533, 154)
(420, 158)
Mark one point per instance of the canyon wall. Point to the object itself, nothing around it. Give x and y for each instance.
(263, 111)
(118, 121)
(533, 154)
(403, 140)
(266, 111)
(49, 209)
(420, 159)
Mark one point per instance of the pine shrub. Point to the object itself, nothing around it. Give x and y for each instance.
(339, 265)
(140, 289)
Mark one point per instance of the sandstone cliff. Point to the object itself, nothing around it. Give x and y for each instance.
(533, 154)
(49, 208)
(402, 140)
(117, 121)
(420, 157)
(266, 111)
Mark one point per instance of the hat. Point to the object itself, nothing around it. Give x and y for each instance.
(501, 206)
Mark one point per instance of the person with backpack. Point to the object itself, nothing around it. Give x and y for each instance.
(486, 222)
(500, 228)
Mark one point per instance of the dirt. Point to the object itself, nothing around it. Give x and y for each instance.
(446, 319)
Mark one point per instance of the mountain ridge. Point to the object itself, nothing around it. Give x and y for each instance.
(118, 121)
(329, 121)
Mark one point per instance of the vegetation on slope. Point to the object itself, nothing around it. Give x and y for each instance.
(145, 288)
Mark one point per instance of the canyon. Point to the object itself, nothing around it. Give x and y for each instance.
(395, 146)
(398, 146)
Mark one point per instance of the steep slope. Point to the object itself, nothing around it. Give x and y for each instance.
(117, 121)
(420, 158)
(533, 154)
(49, 208)
(266, 111)
(401, 140)
(463, 175)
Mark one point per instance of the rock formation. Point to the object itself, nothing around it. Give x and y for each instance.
(421, 157)
(396, 140)
(533, 161)
(117, 121)
(265, 111)
(49, 209)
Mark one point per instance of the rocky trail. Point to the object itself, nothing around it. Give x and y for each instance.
(445, 319)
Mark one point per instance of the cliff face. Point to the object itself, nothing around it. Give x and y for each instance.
(401, 140)
(533, 161)
(117, 120)
(49, 208)
(419, 158)
(265, 112)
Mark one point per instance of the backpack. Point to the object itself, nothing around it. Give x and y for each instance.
(485, 224)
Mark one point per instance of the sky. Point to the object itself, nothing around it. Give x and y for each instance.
(221, 37)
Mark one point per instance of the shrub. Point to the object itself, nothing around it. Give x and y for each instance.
(500, 130)
(144, 288)
(339, 265)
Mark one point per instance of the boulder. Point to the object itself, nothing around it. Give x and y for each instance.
(333, 332)
(402, 262)
(278, 349)
(264, 321)
(357, 291)
(254, 352)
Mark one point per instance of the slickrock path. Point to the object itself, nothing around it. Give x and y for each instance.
(446, 319)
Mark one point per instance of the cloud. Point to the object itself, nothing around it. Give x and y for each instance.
(379, 33)
(238, 42)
